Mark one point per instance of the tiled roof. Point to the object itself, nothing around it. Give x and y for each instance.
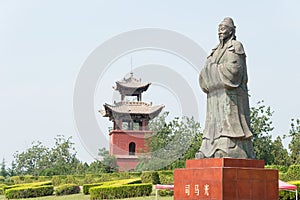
(131, 83)
(132, 108)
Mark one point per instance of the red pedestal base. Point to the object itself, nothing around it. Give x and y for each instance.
(225, 179)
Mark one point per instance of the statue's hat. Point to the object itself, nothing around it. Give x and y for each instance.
(228, 22)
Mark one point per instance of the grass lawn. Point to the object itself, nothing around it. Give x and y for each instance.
(87, 197)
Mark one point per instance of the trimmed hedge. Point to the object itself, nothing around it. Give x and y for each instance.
(88, 179)
(293, 173)
(56, 180)
(29, 192)
(86, 187)
(150, 177)
(1, 189)
(70, 179)
(118, 176)
(280, 168)
(36, 184)
(287, 195)
(120, 192)
(164, 193)
(166, 177)
(67, 189)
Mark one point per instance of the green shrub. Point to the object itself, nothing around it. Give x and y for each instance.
(28, 179)
(293, 173)
(124, 182)
(67, 189)
(40, 183)
(282, 176)
(10, 187)
(29, 192)
(70, 180)
(122, 191)
(166, 177)
(150, 177)
(88, 179)
(56, 180)
(86, 187)
(16, 179)
(165, 193)
(36, 184)
(1, 189)
(280, 168)
(43, 178)
(117, 176)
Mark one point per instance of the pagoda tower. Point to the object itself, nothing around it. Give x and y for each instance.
(130, 122)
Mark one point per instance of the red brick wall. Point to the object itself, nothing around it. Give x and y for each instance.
(119, 141)
(119, 146)
(126, 164)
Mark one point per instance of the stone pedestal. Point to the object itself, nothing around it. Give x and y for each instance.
(225, 179)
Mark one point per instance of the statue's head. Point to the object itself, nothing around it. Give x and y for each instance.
(226, 29)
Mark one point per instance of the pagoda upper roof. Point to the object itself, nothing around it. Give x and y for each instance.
(131, 84)
(131, 108)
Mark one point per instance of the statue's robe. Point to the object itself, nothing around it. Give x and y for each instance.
(224, 79)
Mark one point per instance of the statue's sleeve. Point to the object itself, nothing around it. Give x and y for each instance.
(203, 79)
(232, 69)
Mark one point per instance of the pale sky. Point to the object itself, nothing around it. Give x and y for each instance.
(44, 44)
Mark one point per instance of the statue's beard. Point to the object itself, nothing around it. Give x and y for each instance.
(223, 40)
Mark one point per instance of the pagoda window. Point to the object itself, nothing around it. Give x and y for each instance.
(131, 148)
(133, 98)
(137, 125)
(125, 126)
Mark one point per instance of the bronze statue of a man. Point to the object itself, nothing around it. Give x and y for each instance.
(224, 80)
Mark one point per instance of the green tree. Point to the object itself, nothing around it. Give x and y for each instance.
(261, 126)
(30, 161)
(63, 156)
(40, 160)
(171, 143)
(109, 161)
(3, 171)
(96, 167)
(294, 145)
(81, 168)
(281, 156)
(12, 170)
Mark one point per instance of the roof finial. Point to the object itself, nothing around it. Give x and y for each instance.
(131, 73)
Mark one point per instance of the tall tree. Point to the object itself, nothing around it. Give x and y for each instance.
(294, 145)
(12, 169)
(108, 161)
(40, 160)
(96, 167)
(3, 169)
(171, 143)
(261, 126)
(29, 161)
(281, 156)
(63, 156)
